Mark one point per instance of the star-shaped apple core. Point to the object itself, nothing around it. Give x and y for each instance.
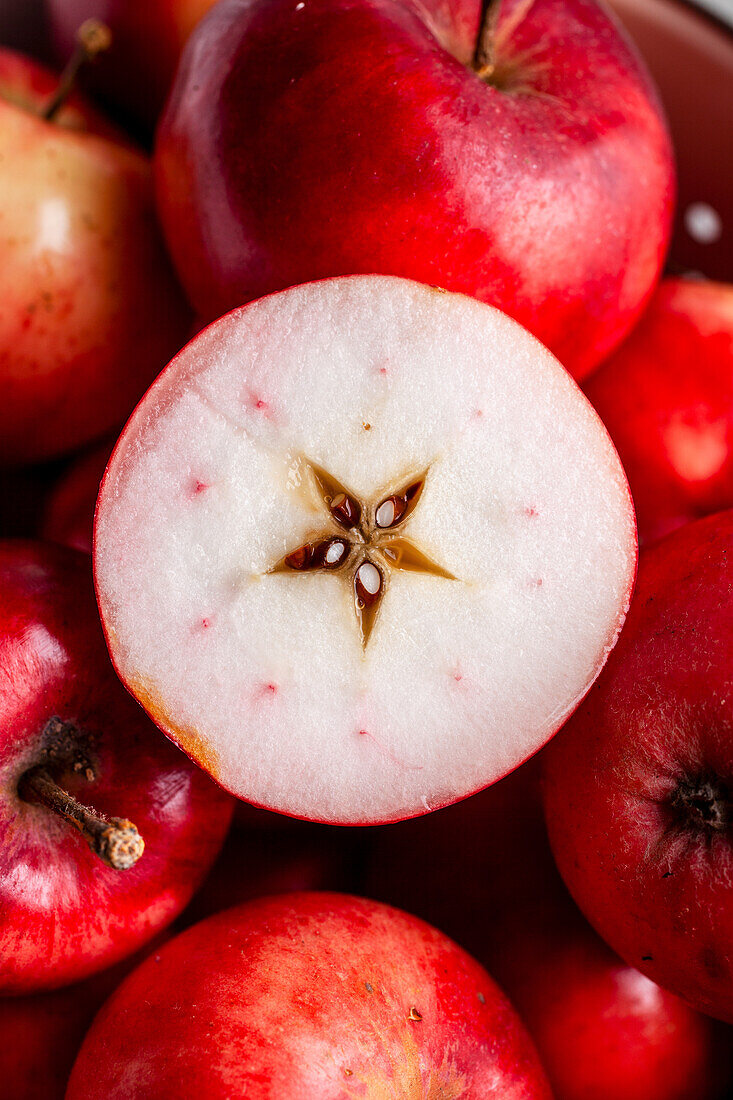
(362, 543)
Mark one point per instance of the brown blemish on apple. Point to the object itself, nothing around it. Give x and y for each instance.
(405, 1076)
(366, 426)
(187, 739)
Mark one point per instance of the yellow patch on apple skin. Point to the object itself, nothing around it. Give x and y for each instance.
(187, 739)
(407, 1077)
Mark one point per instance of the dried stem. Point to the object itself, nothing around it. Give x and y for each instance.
(115, 840)
(92, 38)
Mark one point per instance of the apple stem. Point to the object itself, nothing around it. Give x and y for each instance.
(484, 60)
(115, 840)
(92, 38)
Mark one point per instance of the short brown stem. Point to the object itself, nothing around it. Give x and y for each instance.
(92, 38)
(484, 61)
(115, 840)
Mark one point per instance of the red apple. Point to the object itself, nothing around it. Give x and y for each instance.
(91, 311)
(639, 785)
(147, 38)
(666, 397)
(72, 738)
(530, 168)
(308, 995)
(69, 510)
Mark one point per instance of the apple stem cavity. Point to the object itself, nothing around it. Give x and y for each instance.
(484, 57)
(92, 39)
(115, 840)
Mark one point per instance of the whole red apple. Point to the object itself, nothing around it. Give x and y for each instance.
(91, 311)
(525, 163)
(639, 784)
(73, 741)
(309, 995)
(147, 38)
(666, 397)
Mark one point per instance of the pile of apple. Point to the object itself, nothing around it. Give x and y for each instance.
(316, 520)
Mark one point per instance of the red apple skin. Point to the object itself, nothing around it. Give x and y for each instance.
(69, 510)
(639, 783)
(308, 995)
(63, 913)
(601, 1028)
(348, 138)
(484, 872)
(91, 311)
(147, 38)
(666, 397)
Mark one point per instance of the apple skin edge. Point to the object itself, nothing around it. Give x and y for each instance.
(64, 914)
(638, 784)
(432, 173)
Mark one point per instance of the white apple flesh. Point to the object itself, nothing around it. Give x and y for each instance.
(362, 548)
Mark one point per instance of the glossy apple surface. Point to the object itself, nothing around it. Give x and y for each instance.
(357, 138)
(147, 38)
(666, 397)
(91, 311)
(639, 784)
(63, 913)
(317, 995)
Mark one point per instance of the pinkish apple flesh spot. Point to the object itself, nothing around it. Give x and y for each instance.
(357, 570)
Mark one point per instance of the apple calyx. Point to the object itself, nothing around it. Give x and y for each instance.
(704, 803)
(92, 39)
(372, 547)
(115, 840)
